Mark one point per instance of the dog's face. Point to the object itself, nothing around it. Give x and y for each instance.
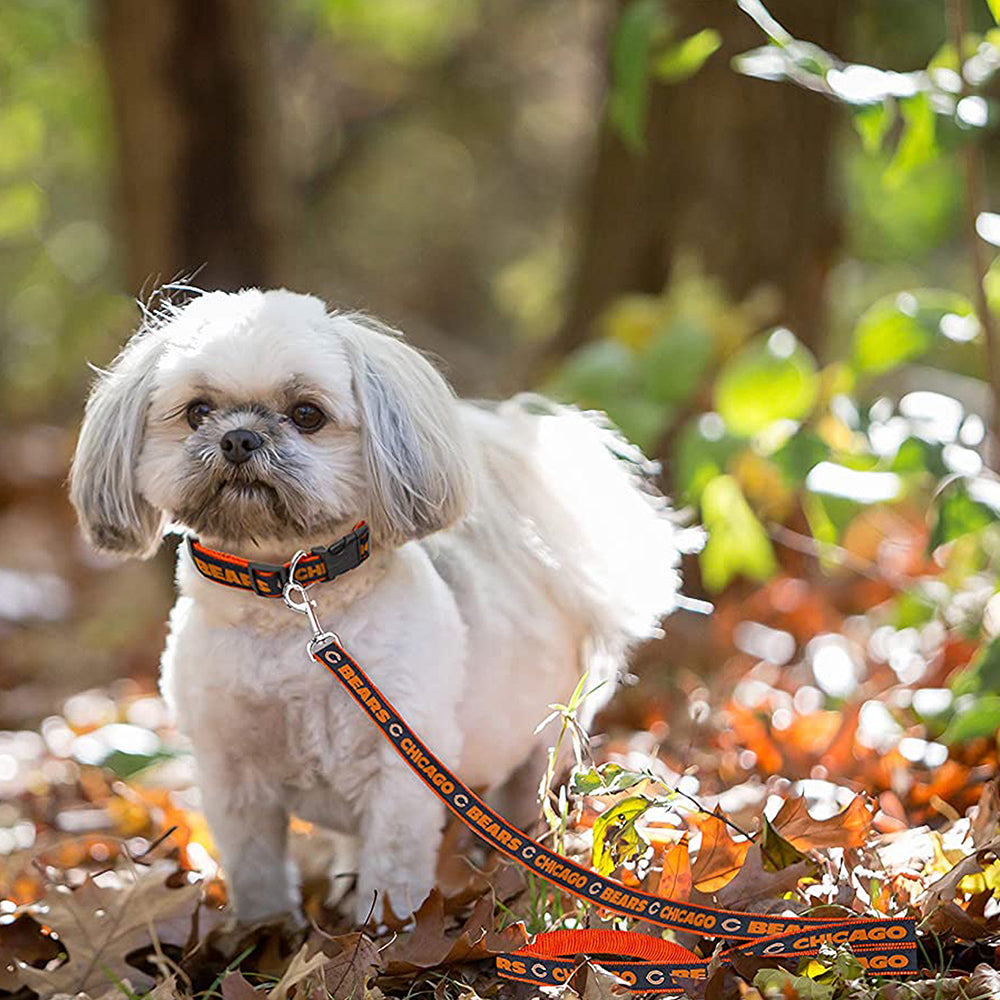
(258, 417)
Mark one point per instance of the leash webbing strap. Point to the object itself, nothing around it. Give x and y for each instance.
(269, 580)
(885, 946)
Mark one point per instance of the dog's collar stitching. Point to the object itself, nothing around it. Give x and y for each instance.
(268, 579)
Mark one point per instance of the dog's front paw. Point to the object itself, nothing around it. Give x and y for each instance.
(400, 889)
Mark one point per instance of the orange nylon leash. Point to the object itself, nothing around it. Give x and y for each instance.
(884, 946)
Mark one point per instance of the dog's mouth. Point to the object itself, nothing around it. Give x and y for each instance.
(254, 489)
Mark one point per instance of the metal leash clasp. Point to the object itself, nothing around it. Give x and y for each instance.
(305, 606)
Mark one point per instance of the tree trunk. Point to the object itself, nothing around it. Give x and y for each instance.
(201, 184)
(735, 169)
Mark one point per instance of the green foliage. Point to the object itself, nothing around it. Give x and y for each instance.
(737, 543)
(918, 143)
(643, 50)
(772, 378)
(641, 27)
(904, 327)
(959, 513)
(686, 57)
(981, 717)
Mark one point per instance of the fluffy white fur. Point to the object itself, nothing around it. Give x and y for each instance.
(514, 546)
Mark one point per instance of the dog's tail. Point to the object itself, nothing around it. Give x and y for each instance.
(587, 507)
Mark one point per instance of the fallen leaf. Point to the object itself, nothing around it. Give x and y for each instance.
(719, 857)
(776, 852)
(848, 828)
(235, 987)
(99, 926)
(301, 968)
(22, 939)
(753, 882)
(987, 818)
(346, 975)
(429, 945)
(943, 890)
(675, 879)
(984, 983)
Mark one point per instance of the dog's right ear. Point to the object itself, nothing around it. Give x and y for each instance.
(114, 516)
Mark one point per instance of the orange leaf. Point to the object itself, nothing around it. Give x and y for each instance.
(719, 857)
(847, 829)
(752, 732)
(675, 879)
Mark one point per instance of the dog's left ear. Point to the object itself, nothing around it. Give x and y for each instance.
(414, 444)
(113, 514)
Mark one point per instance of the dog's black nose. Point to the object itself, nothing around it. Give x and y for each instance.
(239, 445)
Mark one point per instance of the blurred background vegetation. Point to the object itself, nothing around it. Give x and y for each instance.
(760, 239)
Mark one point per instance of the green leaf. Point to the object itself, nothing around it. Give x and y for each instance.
(685, 58)
(772, 378)
(737, 543)
(800, 454)
(641, 420)
(605, 778)
(673, 363)
(915, 455)
(912, 610)
(991, 284)
(994, 6)
(700, 457)
(981, 718)
(127, 765)
(959, 513)
(642, 25)
(982, 672)
(595, 374)
(872, 122)
(918, 144)
(902, 327)
(615, 836)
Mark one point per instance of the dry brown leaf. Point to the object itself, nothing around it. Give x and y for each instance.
(848, 828)
(719, 856)
(984, 983)
(23, 939)
(99, 926)
(302, 967)
(429, 944)
(235, 987)
(951, 919)
(346, 975)
(753, 882)
(987, 818)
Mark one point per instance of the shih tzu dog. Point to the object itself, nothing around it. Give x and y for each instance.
(514, 545)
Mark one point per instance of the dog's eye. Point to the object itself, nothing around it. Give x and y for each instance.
(197, 411)
(307, 418)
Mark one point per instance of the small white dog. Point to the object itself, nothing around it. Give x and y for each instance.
(514, 545)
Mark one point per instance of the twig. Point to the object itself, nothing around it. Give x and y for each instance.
(817, 549)
(974, 168)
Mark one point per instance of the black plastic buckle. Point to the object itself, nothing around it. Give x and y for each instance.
(345, 553)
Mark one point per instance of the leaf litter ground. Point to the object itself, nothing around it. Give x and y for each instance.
(769, 758)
